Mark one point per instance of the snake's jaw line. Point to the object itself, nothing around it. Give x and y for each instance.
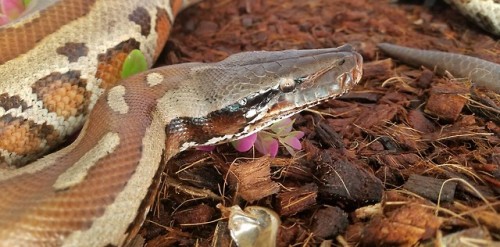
(253, 90)
(287, 82)
(331, 77)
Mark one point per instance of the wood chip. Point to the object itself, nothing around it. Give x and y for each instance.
(295, 200)
(433, 189)
(197, 215)
(328, 222)
(347, 182)
(253, 179)
(445, 101)
(404, 226)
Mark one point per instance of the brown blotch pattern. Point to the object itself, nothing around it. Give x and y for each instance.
(64, 94)
(23, 137)
(111, 62)
(141, 17)
(200, 130)
(8, 102)
(19, 40)
(222, 124)
(73, 51)
(162, 28)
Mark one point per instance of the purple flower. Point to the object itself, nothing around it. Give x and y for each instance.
(266, 144)
(10, 9)
(244, 144)
(267, 141)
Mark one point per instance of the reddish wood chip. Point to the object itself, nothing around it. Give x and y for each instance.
(376, 115)
(198, 214)
(418, 121)
(295, 200)
(380, 69)
(253, 179)
(445, 101)
(288, 233)
(403, 226)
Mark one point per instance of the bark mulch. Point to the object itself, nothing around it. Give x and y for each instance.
(407, 157)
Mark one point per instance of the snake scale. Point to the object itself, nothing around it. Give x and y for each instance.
(59, 65)
(486, 13)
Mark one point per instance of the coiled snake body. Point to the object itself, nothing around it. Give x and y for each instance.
(55, 65)
(486, 13)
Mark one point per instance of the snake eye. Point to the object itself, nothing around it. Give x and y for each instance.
(287, 85)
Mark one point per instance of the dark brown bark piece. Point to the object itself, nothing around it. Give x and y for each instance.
(485, 104)
(329, 136)
(425, 79)
(198, 214)
(206, 177)
(377, 115)
(329, 222)
(346, 182)
(288, 234)
(407, 138)
(431, 188)
(299, 172)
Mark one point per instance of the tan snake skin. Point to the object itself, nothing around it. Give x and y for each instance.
(56, 62)
(98, 190)
(486, 13)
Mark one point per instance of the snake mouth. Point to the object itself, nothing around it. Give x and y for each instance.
(319, 87)
(322, 86)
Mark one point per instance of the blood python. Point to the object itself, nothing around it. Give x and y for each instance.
(59, 65)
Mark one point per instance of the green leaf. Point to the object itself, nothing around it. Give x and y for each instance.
(134, 63)
(26, 2)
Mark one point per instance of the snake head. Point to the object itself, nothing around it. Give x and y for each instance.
(291, 81)
(252, 90)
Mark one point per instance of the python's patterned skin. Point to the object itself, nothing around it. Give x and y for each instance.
(58, 59)
(486, 13)
(98, 190)
(479, 71)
